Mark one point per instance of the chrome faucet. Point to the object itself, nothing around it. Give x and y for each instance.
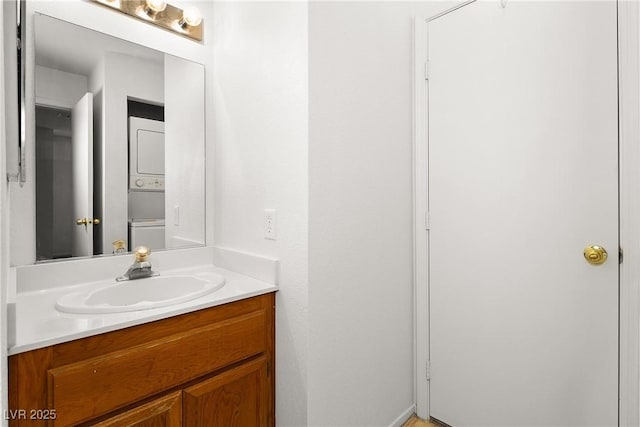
(141, 268)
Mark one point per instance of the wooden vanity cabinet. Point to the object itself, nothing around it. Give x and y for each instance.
(233, 398)
(165, 411)
(212, 367)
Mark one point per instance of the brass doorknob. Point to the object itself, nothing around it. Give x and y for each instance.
(85, 221)
(595, 255)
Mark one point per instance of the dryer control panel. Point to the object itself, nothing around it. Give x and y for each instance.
(146, 183)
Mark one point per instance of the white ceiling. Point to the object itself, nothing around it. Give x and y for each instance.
(67, 47)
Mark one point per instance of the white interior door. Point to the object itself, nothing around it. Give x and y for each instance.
(82, 164)
(523, 175)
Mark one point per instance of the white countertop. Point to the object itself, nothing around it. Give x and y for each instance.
(38, 324)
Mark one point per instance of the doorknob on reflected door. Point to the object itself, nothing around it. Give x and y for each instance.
(85, 221)
(595, 255)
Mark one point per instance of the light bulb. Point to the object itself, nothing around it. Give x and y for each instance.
(155, 6)
(191, 16)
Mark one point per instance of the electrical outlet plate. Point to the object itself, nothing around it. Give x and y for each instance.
(270, 224)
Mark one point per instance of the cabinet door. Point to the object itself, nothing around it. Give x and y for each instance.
(236, 398)
(163, 412)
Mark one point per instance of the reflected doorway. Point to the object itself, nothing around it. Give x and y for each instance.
(54, 215)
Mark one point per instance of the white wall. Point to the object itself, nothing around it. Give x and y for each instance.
(57, 88)
(361, 363)
(184, 152)
(101, 19)
(261, 162)
(349, 360)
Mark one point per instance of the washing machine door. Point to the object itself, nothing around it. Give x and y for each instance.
(146, 154)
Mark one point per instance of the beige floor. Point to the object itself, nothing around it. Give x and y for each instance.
(417, 422)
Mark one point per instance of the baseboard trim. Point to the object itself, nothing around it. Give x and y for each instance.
(404, 417)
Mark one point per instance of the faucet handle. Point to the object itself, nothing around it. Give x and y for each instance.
(142, 252)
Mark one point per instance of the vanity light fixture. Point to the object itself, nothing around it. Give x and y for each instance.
(191, 17)
(187, 22)
(153, 7)
(111, 3)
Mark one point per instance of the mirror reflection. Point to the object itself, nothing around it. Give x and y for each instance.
(119, 137)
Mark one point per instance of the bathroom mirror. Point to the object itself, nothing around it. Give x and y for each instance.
(119, 144)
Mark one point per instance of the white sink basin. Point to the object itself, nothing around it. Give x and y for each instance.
(140, 294)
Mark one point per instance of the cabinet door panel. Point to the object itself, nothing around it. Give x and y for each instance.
(97, 386)
(163, 412)
(235, 398)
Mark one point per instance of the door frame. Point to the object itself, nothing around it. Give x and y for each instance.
(629, 211)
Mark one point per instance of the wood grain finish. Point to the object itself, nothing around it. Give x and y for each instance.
(104, 375)
(236, 398)
(90, 388)
(28, 370)
(417, 422)
(97, 345)
(163, 412)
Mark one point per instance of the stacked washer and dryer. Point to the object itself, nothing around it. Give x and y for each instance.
(146, 183)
